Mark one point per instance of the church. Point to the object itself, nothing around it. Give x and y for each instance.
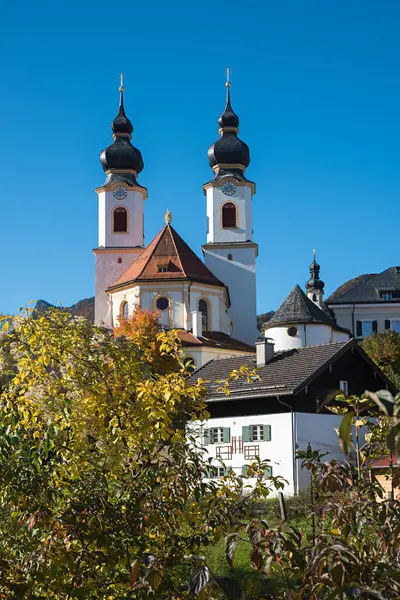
(304, 357)
(212, 303)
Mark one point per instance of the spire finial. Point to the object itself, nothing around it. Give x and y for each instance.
(168, 217)
(314, 252)
(228, 72)
(121, 82)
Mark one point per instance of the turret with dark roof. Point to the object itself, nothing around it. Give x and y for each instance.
(121, 161)
(229, 155)
(297, 308)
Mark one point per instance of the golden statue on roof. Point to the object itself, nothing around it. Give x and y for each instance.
(168, 217)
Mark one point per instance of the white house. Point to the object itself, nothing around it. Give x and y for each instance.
(370, 306)
(304, 360)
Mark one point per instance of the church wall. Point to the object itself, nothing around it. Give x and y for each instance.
(242, 200)
(307, 335)
(239, 274)
(146, 294)
(134, 204)
(107, 272)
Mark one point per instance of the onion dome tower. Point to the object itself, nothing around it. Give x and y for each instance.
(121, 161)
(315, 285)
(229, 156)
(230, 252)
(121, 211)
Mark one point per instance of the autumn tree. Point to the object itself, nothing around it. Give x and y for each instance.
(384, 349)
(102, 496)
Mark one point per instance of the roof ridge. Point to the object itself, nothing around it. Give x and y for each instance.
(172, 231)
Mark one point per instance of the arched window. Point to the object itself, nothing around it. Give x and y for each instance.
(228, 215)
(120, 220)
(203, 308)
(314, 297)
(124, 310)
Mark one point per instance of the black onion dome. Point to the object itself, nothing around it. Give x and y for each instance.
(121, 123)
(121, 155)
(229, 149)
(315, 283)
(228, 117)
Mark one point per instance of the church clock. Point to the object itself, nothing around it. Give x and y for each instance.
(120, 193)
(228, 188)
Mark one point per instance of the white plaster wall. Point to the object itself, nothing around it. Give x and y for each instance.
(177, 315)
(107, 271)
(307, 335)
(340, 336)
(134, 203)
(203, 354)
(319, 430)
(239, 274)
(279, 450)
(242, 199)
(365, 312)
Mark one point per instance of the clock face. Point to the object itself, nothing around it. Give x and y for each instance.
(228, 188)
(120, 193)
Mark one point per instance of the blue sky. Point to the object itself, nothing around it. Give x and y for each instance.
(316, 86)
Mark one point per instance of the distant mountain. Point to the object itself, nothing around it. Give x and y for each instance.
(263, 319)
(83, 308)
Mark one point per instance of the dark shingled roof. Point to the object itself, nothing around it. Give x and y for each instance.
(370, 289)
(298, 308)
(286, 373)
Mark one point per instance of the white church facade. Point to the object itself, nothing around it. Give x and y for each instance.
(204, 301)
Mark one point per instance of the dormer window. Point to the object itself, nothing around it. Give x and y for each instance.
(162, 268)
(387, 295)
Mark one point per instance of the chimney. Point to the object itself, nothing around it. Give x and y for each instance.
(196, 323)
(265, 351)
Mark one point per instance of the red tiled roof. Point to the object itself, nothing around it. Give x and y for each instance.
(214, 339)
(383, 463)
(168, 250)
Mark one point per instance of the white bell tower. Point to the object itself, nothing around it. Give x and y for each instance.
(230, 252)
(121, 212)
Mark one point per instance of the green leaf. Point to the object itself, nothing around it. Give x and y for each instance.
(199, 578)
(230, 547)
(345, 432)
(383, 399)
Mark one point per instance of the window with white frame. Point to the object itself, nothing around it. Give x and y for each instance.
(344, 387)
(216, 435)
(258, 433)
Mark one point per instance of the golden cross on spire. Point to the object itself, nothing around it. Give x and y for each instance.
(121, 82)
(228, 73)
